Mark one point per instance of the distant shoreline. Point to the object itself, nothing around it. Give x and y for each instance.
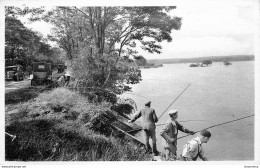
(232, 58)
(150, 65)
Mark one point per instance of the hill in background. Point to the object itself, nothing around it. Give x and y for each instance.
(200, 59)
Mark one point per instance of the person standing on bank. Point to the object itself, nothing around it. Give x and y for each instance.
(169, 134)
(67, 78)
(61, 80)
(193, 149)
(149, 119)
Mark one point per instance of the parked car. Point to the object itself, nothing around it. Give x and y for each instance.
(14, 72)
(41, 74)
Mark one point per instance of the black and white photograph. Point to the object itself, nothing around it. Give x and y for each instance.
(161, 83)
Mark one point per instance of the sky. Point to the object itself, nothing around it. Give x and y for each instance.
(213, 28)
(209, 28)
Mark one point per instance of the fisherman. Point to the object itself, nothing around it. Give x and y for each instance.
(193, 149)
(149, 119)
(169, 133)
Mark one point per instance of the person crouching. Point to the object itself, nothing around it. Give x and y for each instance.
(193, 149)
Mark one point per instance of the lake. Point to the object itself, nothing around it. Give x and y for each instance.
(217, 94)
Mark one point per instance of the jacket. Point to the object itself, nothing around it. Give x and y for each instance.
(171, 131)
(148, 116)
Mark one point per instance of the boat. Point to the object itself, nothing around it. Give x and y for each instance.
(131, 131)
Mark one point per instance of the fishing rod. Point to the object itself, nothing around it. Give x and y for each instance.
(133, 130)
(218, 125)
(174, 101)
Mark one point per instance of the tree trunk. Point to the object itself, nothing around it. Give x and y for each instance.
(12, 55)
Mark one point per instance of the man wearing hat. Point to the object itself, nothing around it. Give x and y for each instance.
(67, 77)
(193, 149)
(149, 119)
(169, 133)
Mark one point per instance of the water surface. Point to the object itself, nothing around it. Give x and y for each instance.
(217, 94)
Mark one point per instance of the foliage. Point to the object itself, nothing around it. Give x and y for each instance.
(61, 125)
(207, 62)
(100, 41)
(90, 77)
(22, 45)
(64, 104)
(12, 11)
(42, 139)
(124, 106)
(140, 61)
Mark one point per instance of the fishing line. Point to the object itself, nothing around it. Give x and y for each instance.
(137, 95)
(219, 125)
(180, 121)
(174, 101)
(193, 120)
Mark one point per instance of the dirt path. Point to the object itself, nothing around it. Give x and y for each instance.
(11, 86)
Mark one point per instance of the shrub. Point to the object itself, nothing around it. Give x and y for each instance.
(124, 107)
(63, 125)
(52, 140)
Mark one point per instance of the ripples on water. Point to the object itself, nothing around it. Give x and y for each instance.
(217, 94)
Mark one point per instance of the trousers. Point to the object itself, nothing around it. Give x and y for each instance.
(150, 134)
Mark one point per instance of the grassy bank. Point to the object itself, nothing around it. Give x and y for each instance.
(61, 125)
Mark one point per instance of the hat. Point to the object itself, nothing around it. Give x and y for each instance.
(171, 112)
(147, 103)
(205, 133)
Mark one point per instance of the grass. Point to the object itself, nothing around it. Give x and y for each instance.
(61, 125)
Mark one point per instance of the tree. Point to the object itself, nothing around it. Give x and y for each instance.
(99, 39)
(207, 62)
(140, 61)
(22, 45)
(14, 12)
(19, 41)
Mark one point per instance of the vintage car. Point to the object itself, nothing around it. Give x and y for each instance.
(14, 73)
(41, 73)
